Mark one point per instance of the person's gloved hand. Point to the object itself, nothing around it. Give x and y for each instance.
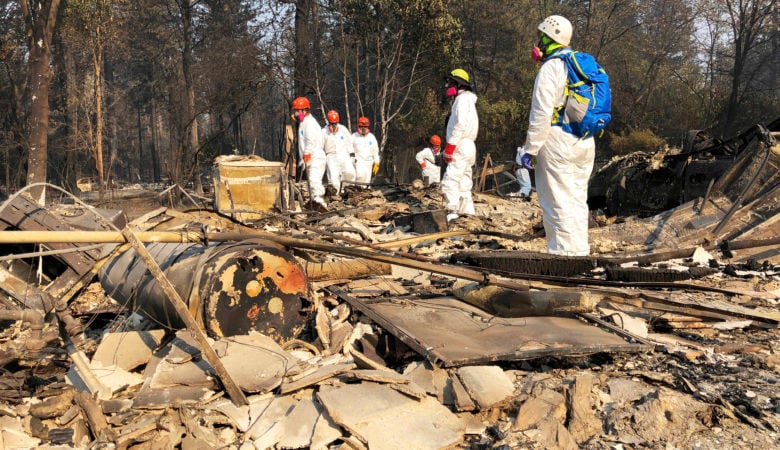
(375, 168)
(307, 157)
(519, 154)
(525, 161)
(449, 149)
(423, 164)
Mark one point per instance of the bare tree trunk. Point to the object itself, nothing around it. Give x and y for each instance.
(155, 148)
(305, 23)
(140, 132)
(71, 114)
(39, 24)
(7, 158)
(188, 149)
(97, 67)
(747, 19)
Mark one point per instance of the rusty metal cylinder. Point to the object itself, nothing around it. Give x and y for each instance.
(230, 288)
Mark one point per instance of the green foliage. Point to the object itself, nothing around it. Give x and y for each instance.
(642, 140)
(499, 128)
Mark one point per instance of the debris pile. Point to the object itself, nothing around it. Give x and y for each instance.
(377, 324)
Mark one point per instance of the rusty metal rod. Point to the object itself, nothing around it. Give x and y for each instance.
(175, 236)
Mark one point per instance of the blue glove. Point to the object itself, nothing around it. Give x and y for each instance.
(525, 161)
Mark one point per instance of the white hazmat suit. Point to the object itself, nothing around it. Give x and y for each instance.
(523, 177)
(310, 143)
(564, 164)
(366, 155)
(427, 161)
(337, 147)
(462, 128)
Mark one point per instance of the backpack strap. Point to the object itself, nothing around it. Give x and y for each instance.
(564, 54)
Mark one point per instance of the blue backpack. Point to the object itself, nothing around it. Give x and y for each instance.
(588, 107)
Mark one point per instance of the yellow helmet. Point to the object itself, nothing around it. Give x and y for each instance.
(460, 76)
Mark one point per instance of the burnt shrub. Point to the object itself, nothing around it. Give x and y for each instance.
(643, 140)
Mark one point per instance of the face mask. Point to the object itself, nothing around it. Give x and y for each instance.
(536, 54)
(301, 115)
(452, 91)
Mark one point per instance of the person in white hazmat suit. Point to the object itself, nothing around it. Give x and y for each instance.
(523, 179)
(337, 146)
(460, 153)
(426, 158)
(366, 152)
(310, 148)
(564, 162)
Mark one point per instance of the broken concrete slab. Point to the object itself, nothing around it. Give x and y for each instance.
(583, 421)
(548, 406)
(239, 415)
(421, 373)
(111, 377)
(385, 419)
(461, 400)
(127, 350)
(487, 385)
(297, 427)
(266, 417)
(175, 375)
(179, 364)
(13, 435)
(255, 361)
(541, 418)
(325, 431)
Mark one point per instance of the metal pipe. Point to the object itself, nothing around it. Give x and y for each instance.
(34, 344)
(171, 236)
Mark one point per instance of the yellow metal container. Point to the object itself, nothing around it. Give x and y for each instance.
(245, 186)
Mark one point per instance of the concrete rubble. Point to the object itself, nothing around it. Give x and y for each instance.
(377, 325)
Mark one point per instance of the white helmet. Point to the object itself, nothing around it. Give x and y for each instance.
(558, 28)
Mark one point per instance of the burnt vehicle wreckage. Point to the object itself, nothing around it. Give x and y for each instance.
(642, 184)
(377, 324)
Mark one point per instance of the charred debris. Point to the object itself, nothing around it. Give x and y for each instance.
(376, 324)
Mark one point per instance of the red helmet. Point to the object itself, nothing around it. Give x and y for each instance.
(301, 103)
(363, 122)
(435, 140)
(333, 116)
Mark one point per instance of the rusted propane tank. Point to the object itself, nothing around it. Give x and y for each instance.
(229, 287)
